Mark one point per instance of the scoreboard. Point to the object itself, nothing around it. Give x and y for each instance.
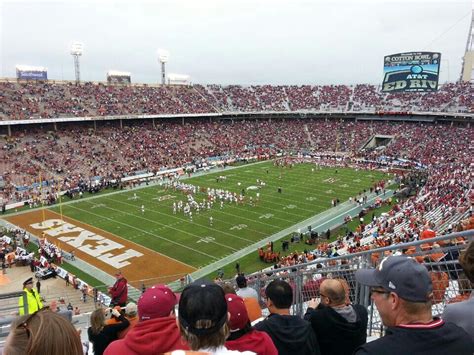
(413, 71)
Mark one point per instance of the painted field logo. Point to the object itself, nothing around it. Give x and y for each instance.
(266, 216)
(99, 205)
(311, 198)
(238, 227)
(330, 180)
(101, 250)
(329, 192)
(344, 186)
(206, 240)
(290, 207)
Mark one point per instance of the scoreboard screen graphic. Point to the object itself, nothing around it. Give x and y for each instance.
(31, 74)
(411, 72)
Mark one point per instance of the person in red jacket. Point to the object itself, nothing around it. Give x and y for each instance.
(156, 331)
(119, 291)
(242, 336)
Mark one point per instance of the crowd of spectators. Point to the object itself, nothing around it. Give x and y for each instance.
(33, 100)
(75, 154)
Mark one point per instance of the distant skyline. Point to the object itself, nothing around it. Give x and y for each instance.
(286, 42)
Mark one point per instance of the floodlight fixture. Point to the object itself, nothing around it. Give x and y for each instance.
(77, 48)
(163, 57)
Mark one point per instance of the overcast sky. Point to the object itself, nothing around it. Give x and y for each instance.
(232, 41)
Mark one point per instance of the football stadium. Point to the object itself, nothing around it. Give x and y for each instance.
(173, 213)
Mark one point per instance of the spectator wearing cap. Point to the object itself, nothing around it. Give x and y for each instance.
(33, 299)
(254, 311)
(290, 334)
(462, 313)
(242, 336)
(156, 331)
(401, 289)
(332, 320)
(131, 315)
(119, 291)
(202, 317)
(244, 291)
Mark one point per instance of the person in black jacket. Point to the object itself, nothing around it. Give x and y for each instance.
(290, 334)
(402, 290)
(332, 320)
(102, 334)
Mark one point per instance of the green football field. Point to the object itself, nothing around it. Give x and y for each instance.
(305, 192)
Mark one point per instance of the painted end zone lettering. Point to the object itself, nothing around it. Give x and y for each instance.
(102, 249)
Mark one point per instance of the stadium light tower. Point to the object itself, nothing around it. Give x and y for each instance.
(468, 59)
(163, 57)
(76, 51)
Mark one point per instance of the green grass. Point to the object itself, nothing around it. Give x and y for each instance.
(87, 278)
(305, 194)
(251, 263)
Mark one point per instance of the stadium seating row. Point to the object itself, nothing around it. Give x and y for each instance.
(33, 100)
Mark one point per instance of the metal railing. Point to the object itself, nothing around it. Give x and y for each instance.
(305, 279)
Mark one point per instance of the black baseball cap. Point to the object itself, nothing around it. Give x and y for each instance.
(402, 275)
(202, 300)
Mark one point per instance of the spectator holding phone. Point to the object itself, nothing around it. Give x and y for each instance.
(102, 334)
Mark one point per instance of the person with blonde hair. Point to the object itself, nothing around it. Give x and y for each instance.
(102, 334)
(43, 332)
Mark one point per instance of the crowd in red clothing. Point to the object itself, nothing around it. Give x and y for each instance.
(29, 100)
(78, 153)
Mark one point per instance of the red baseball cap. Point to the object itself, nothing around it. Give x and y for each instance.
(157, 301)
(238, 312)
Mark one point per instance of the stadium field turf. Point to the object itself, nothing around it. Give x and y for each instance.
(305, 192)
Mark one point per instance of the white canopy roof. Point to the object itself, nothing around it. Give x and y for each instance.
(30, 68)
(178, 77)
(118, 73)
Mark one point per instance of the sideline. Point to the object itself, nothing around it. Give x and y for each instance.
(328, 219)
(143, 185)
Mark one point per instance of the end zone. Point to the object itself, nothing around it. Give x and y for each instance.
(103, 250)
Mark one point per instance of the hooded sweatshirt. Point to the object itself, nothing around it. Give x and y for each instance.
(256, 341)
(333, 324)
(290, 334)
(154, 336)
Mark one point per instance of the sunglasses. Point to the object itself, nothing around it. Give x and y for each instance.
(383, 292)
(25, 324)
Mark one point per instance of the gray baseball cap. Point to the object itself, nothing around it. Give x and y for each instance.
(401, 275)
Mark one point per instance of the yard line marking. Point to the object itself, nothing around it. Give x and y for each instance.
(181, 219)
(233, 206)
(103, 230)
(146, 232)
(171, 227)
